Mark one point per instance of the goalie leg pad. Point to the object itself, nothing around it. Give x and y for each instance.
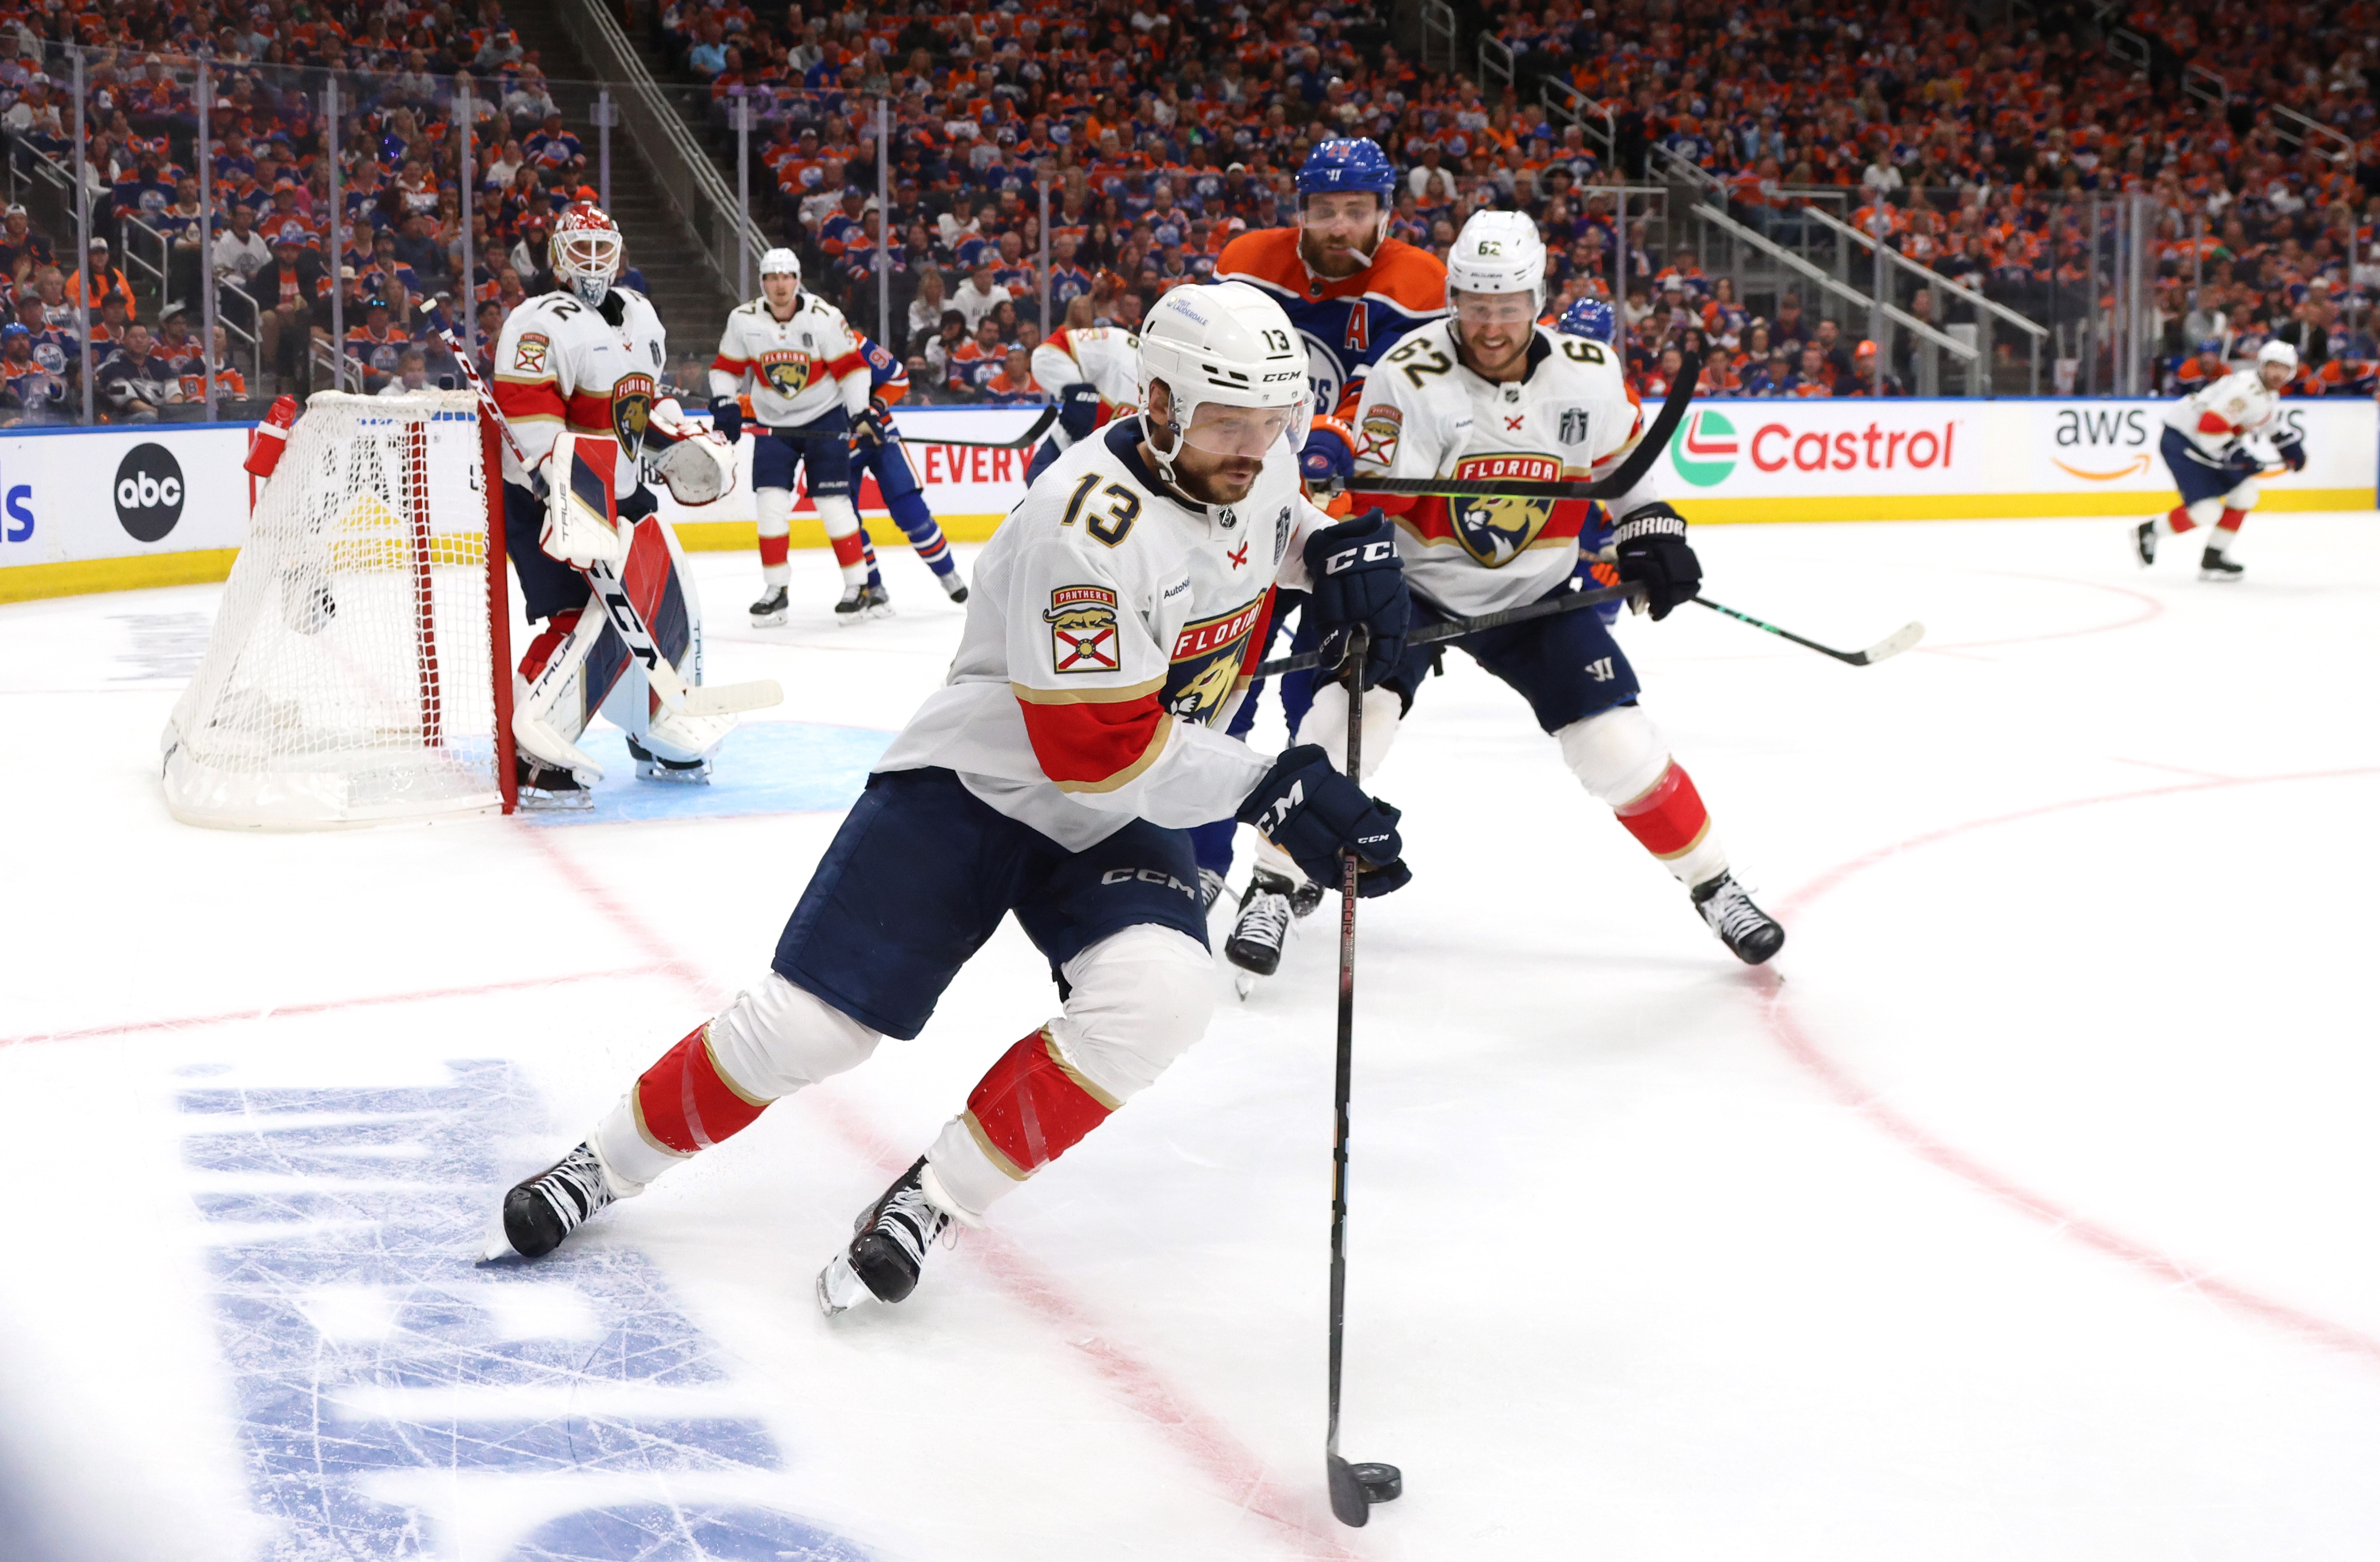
(581, 507)
(550, 701)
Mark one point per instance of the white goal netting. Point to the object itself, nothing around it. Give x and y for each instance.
(352, 672)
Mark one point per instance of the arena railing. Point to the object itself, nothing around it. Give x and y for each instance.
(1985, 309)
(1441, 36)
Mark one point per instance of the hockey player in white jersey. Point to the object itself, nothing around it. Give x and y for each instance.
(1489, 394)
(2217, 441)
(810, 382)
(576, 377)
(1054, 775)
(1092, 373)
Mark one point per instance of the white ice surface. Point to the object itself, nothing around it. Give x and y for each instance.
(2025, 1208)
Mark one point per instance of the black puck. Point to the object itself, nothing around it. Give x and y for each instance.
(1381, 1483)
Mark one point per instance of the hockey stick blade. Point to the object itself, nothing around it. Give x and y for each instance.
(1030, 437)
(732, 698)
(1892, 644)
(1632, 471)
(1455, 628)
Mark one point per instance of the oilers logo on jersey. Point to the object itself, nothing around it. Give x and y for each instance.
(1497, 531)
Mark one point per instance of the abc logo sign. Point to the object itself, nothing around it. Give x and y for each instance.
(149, 492)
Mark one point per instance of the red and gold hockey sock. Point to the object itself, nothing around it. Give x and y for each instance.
(1667, 818)
(685, 1104)
(1033, 1106)
(851, 550)
(772, 552)
(2177, 520)
(540, 649)
(2229, 525)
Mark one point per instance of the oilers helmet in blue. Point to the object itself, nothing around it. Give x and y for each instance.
(1351, 166)
(1591, 318)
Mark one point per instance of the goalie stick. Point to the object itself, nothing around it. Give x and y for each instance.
(711, 699)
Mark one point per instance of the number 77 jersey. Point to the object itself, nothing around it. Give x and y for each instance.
(1570, 417)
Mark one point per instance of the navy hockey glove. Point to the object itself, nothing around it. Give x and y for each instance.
(2293, 452)
(1651, 543)
(1358, 579)
(727, 417)
(874, 426)
(1313, 813)
(1329, 452)
(1078, 409)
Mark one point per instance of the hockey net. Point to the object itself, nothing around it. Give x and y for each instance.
(359, 667)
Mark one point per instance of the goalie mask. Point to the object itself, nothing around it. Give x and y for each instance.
(585, 251)
(1234, 373)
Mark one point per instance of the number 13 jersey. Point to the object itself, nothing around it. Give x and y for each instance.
(1570, 417)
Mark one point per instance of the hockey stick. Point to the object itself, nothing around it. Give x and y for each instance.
(1354, 1487)
(1892, 644)
(712, 700)
(1632, 471)
(1029, 438)
(1455, 628)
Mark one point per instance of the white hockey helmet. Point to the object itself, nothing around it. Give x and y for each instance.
(1499, 253)
(2277, 352)
(584, 251)
(782, 262)
(1225, 344)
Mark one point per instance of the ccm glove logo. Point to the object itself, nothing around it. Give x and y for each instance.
(1277, 813)
(1370, 553)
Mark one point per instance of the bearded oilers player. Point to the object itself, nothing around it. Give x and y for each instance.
(1489, 394)
(575, 376)
(810, 382)
(2217, 441)
(1054, 775)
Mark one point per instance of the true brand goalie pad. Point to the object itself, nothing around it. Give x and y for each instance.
(581, 514)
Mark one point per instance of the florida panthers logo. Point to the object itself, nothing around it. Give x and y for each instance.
(787, 373)
(1206, 662)
(631, 410)
(1496, 530)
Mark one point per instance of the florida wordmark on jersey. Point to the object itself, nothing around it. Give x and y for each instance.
(1106, 358)
(565, 367)
(799, 368)
(1111, 629)
(1572, 417)
(1348, 322)
(2236, 407)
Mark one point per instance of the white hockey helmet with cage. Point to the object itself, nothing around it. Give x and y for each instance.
(585, 250)
(1224, 345)
(1499, 253)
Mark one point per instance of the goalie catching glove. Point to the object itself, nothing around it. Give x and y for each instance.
(697, 465)
(1313, 813)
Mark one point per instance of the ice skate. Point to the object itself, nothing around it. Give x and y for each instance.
(652, 767)
(770, 611)
(955, 587)
(861, 602)
(1265, 912)
(540, 1212)
(548, 786)
(1750, 934)
(2144, 541)
(888, 1248)
(2213, 565)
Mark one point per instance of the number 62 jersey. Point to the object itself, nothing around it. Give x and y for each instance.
(1570, 417)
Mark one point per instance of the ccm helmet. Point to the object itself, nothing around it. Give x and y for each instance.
(1499, 253)
(1229, 344)
(584, 251)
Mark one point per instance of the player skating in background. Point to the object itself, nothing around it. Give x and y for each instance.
(1488, 393)
(1055, 775)
(575, 375)
(877, 450)
(1091, 373)
(810, 382)
(2217, 441)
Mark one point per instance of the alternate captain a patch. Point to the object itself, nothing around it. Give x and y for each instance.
(1082, 622)
(529, 353)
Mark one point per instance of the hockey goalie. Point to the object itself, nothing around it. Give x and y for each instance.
(577, 376)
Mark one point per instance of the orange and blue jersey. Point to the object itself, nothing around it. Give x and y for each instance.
(1347, 322)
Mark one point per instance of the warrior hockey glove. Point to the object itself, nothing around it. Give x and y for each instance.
(1078, 408)
(727, 417)
(1651, 543)
(1359, 580)
(2293, 452)
(1329, 452)
(1315, 813)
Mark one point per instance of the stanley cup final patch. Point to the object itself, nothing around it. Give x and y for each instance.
(1083, 629)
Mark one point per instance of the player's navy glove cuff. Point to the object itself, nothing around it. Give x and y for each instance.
(2294, 454)
(1358, 579)
(727, 417)
(1078, 409)
(1653, 552)
(1328, 454)
(1313, 813)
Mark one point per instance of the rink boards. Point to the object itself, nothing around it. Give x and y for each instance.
(106, 509)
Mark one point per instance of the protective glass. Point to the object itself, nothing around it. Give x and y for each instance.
(1245, 431)
(1495, 308)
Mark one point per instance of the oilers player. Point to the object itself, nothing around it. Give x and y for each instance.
(808, 382)
(876, 449)
(1055, 775)
(2217, 441)
(575, 376)
(1488, 393)
(1092, 372)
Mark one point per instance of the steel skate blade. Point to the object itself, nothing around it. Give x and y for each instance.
(768, 620)
(495, 1245)
(840, 1288)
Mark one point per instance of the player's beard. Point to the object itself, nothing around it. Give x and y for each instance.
(1227, 483)
(1334, 264)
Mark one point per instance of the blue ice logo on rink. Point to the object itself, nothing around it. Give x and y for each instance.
(371, 1357)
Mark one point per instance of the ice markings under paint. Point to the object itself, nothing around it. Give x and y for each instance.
(364, 1343)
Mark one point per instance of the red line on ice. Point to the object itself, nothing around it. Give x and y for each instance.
(1847, 1088)
(1207, 1443)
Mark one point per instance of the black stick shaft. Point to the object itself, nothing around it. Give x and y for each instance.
(1359, 642)
(1855, 658)
(1455, 628)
